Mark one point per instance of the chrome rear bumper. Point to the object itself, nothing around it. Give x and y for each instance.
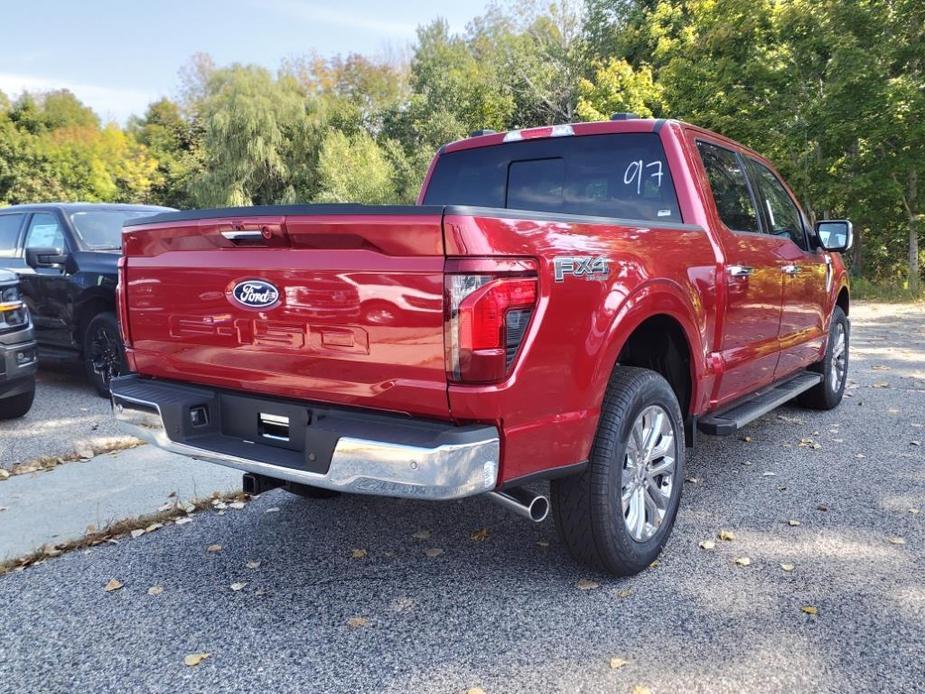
(447, 462)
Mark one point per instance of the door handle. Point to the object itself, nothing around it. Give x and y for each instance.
(740, 270)
(790, 269)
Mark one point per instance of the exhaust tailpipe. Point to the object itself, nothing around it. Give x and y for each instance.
(523, 502)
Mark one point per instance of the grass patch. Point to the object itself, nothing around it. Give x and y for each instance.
(893, 293)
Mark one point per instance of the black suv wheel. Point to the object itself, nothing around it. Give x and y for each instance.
(103, 352)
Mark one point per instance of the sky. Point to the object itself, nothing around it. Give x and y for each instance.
(119, 56)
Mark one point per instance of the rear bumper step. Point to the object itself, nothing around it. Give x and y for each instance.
(316, 445)
(733, 418)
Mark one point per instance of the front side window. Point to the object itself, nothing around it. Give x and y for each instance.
(780, 211)
(618, 175)
(45, 232)
(9, 233)
(733, 198)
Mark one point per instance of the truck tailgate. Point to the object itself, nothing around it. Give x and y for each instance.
(343, 307)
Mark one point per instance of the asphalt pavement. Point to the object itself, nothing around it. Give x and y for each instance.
(351, 594)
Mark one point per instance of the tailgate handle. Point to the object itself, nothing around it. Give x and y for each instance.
(245, 235)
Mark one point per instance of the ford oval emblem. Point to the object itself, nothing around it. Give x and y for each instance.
(255, 294)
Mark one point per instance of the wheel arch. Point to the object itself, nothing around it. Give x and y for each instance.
(89, 306)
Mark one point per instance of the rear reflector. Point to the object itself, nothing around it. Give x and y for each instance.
(488, 316)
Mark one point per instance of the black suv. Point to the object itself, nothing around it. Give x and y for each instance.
(66, 256)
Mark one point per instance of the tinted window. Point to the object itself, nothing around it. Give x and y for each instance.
(9, 232)
(620, 175)
(45, 232)
(781, 213)
(101, 229)
(730, 187)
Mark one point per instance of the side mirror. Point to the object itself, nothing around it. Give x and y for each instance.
(45, 257)
(835, 235)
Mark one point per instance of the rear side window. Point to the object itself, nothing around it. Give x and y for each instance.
(9, 233)
(730, 187)
(622, 175)
(781, 213)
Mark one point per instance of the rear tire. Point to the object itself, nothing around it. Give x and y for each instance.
(600, 515)
(17, 406)
(834, 367)
(103, 352)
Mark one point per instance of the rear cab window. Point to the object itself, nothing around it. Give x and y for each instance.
(619, 175)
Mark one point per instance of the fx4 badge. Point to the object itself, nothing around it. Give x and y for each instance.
(584, 266)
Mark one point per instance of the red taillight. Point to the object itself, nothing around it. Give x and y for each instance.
(488, 315)
(122, 303)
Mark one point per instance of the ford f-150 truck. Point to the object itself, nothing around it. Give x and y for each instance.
(567, 303)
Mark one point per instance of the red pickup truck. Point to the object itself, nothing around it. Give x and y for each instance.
(567, 303)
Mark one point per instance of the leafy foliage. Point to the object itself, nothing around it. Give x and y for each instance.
(833, 92)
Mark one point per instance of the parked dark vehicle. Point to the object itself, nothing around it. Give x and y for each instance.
(66, 256)
(18, 359)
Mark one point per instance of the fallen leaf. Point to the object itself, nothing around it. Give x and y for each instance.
(769, 474)
(113, 585)
(542, 543)
(617, 663)
(137, 533)
(480, 534)
(358, 553)
(726, 535)
(253, 565)
(896, 540)
(692, 480)
(155, 590)
(822, 507)
(166, 507)
(193, 659)
(707, 544)
(237, 586)
(421, 535)
(272, 510)
(915, 443)
(793, 522)
(625, 593)
(357, 622)
(236, 505)
(433, 552)
(914, 511)
(587, 584)
(475, 690)
(655, 564)
(4, 474)
(787, 567)
(4, 508)
(183, 521)
(810, 610)
(746, 439)
(641, 689)
(50, 550)
(743, 561)
(214, 548)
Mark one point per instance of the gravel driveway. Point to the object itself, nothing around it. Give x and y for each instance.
(67, 416)
(512, 613)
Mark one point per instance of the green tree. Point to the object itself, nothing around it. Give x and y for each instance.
(354, 169)
(617, 86)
